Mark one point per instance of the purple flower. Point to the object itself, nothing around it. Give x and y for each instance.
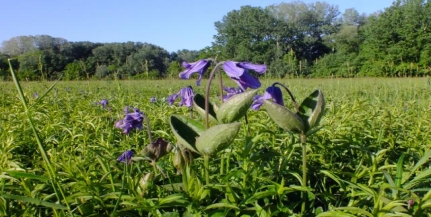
(271, 92)
(104, 103)
(199, 67)
(126, 157)
(130, 121)
(35, 95)
(231, 91)
(186, 95)
(238, 71)
(153, 99)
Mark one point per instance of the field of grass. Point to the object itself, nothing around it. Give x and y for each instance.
(371, 156)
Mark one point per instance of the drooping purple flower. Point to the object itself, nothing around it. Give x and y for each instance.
(231, 91)
(126, 157)
(238, 71)
(199, 67)
(271, 92)
(131, 121)
(186, 95)
(153, 99)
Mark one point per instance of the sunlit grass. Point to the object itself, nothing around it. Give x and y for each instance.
(369, 123)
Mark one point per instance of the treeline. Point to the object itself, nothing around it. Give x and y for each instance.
(293, 39)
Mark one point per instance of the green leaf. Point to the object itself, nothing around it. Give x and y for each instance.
(222, 205)
(217, 138)
(283, 117)
(311, 109)
(186, 130)
(199, 105)
(235, 107)
(18, 175)
(34, 201)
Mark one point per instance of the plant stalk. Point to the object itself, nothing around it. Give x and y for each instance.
(304, 171)
(207, 94)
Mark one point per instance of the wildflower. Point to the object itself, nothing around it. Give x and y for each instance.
(238, 71)
(67, 89)
(153, 99)
(271, 92)
(126, 157)
(36, 95)
(231, 91)
(104, 103)
(186, 95)
(199, 67)
(131, 120)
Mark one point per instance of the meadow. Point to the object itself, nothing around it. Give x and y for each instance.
(369, 157)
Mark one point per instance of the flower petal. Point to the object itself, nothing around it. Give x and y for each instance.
(259, 68)
(232, 70)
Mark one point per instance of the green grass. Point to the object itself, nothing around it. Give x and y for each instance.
(370, 158)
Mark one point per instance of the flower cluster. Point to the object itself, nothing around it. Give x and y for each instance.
(130, 121)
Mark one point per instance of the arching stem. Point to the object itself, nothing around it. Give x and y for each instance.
(148, 128)
(295, 104)
(207, 93)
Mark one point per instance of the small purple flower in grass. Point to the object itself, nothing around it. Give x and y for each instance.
(186, 95)
(231, 91)
(271, 92)
(199, 67)
(126, 157)
(35, 95)
(153, 99)
(130, 121)
(238, 71)
(104, 103)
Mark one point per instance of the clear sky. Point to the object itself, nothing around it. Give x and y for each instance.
(170, 24)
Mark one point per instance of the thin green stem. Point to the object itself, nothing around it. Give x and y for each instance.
(295, 104)
(304, 170)
(148, 128)
(207, 93)
(56, 186)
(206, 166)
(122, 188)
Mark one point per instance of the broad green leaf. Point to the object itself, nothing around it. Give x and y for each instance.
(311, 109)
(335, 214)
(199, 105)
(33, 201)
(283, 117)
(186, 130)
(217, 138)
(235, 107)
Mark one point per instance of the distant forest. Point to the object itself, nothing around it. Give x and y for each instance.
(293, 39)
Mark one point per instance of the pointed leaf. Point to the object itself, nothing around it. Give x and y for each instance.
(199, 106)
(235, 107)
(283, 117)
(311, 109)
(186, 130)
(217, 138)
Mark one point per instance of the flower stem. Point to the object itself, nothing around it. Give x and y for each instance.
(148, 128)
(207, 93)
(295, 104)
(304, 170)
(206, 165)
(122, 188)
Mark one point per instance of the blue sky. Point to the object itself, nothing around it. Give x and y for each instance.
(172, 25)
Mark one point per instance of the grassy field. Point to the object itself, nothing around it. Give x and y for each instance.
(371, 156)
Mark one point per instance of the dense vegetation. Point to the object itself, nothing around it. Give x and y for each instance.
(293, 39)
(370, 158)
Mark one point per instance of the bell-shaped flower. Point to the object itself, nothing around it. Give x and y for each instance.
(199, 67)
(271, 92)
(231, 91)
(126, 157)
(104, 103)
(186, 94)
(130, 121)
(238, 71)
